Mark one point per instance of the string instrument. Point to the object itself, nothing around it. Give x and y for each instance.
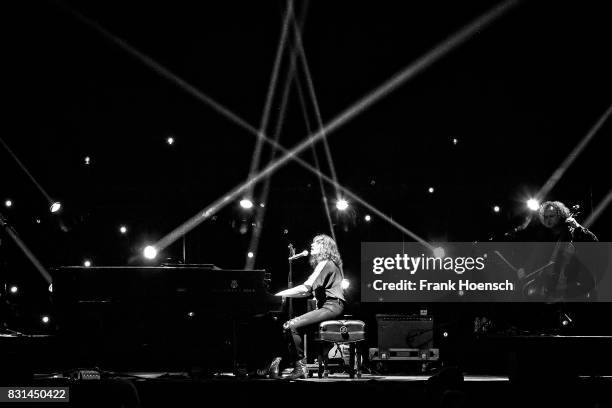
(551, 280)
(525, 281)
(555, 285)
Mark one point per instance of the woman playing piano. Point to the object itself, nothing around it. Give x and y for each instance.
(325, 284)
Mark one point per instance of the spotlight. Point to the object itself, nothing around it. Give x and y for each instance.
(439, 252)
(150, 252)
(37, 220)
(56, 206)
(246, 203)
(87, 159)
(445, 334)
(496, 208)
(342, 204)
(14, 289)
(190, 314)
(170, 141)
(87, 263)
(250, 254)
(455, 141)
(345, 284)
(533, 204)
(50, 288)
(262, 205)
(45, 319)
(8, 203)
(123, 229)
(367, 218)
(431, 190)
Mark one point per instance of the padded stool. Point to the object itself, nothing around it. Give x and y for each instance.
(348, 332)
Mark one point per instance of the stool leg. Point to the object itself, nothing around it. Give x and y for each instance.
(358, 356)
(325, 361)
(320, 358)
(352, 360)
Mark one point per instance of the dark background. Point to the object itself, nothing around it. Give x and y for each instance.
(518, 97)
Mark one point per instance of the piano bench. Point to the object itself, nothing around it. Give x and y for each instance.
(348, 332)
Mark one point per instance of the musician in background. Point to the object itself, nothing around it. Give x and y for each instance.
(556, 217)
(325, 284)
(553, 222)
(562, 227)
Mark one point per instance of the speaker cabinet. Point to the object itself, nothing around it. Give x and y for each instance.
(404, 332)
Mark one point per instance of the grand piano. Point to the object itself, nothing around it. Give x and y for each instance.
(167, 315)
(201, 287)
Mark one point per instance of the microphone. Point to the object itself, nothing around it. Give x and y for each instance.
(300, 255)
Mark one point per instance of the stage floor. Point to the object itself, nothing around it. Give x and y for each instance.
(338, 377)
(444, 389)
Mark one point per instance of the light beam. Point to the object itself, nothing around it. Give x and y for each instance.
(398, 79)
(598, 210)
(271, 88)
(556, 176)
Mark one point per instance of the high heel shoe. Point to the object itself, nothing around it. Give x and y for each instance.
(273, 370)
(300, 370)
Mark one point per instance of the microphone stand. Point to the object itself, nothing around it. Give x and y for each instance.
(290, 281)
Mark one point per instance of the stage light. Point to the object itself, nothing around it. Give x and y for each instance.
(45, 319)
(87, 263)
(439, 252)
(455, 141)
(342, 204)
(150, 252)
(246, 203)
(87, 159)
(14, 289)
(190, 314)
(262, 205)
(345, 284)
(250, 254)
(8, 203)
(56, 206)
(367, 218)
(431, 190)
(123, 229)
(170, 141)
(51, 288)
(496, 208)
(244, 228)
(445, 334)
(533, 204)
(37, 220)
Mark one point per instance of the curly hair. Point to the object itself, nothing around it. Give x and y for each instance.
(329, 250)
(560, 209)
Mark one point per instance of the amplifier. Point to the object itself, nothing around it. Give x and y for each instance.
(402, 354)
(404, 332)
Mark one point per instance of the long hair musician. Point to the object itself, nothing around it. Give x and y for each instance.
(325, 284)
